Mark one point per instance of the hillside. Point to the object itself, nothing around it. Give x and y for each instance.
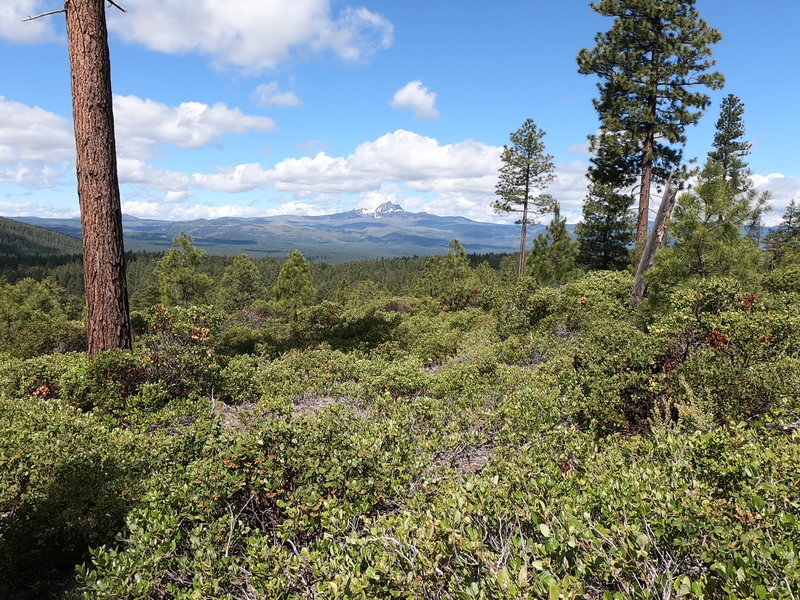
(25, 239)
(389, 231)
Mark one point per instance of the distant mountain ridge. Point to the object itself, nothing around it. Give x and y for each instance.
(387, 231)
(23, 239)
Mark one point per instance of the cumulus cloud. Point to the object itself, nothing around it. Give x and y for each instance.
(252, 35)
(398, 156)
(32, 134)
(141, 123)
(140, 172)
(418, 99)
(270, 94)
(782, 188)
(14, 29)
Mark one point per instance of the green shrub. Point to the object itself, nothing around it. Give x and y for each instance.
(66, 483)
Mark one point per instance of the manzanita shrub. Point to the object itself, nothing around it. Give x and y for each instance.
(551, 443)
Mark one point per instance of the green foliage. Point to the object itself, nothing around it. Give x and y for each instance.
(67, 481)
(650, 63)
(240, 285)
(730, 357)
(180, 283)
(295, 286)
(33, 319)
(707, 231)
(606, 229)
(449, 279)
(525, 173)
(730, 148)
(552, 258)
(786, 236)
(542, 442)
(22, 239)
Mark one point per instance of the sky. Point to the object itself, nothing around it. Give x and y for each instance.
(241, 108)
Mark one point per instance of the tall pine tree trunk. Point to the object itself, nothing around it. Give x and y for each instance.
(523, 241)
(108, 319)
(644, 191)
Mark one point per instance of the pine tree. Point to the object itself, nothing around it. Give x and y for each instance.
(295, 286)
(707, 234)
(448, 279)
(730, 149)
(552, 258)
(180, 282)
(606, 230)
(107, 310)
(786, 236)
(526, 171)
(241, 283)
(649, 62)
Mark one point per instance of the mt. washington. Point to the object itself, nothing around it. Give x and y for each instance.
(388, 231)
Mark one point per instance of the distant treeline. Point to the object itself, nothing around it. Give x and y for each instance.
(396, 274)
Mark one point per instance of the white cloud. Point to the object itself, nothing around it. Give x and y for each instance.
(782, 188)
(270, 94)
(142, 123)
(32, 209)
(398, 156)
(415, 97)
(32, 134)
(240, 178)
(252, 35)
(14, 28)
(139, 172)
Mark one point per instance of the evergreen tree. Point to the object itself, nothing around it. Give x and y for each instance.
(526, 171)
(650, 62)
(707, 234)
(241, 283)
(606, 230)
(786, 236)
(108, 322)
(295, 286)
(448, 279)
(180, 283)
(552, 258)
(730, 149)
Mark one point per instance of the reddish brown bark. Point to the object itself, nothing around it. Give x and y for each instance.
(108, 319)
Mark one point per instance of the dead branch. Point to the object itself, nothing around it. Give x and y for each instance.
(63, 10)
(115, 5)
(47, 14)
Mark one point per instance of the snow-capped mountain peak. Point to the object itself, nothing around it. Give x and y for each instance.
(386, 208)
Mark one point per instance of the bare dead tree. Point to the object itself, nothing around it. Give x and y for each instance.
(108, 316)
(654, 242)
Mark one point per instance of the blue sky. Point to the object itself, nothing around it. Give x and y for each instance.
(242, 108)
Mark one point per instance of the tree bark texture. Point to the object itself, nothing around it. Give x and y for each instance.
(108, 319)
(644, 192)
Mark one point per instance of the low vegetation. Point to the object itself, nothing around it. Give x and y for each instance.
(463, 435)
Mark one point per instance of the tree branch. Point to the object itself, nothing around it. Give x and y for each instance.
(47, 14)
(114, 4)
(63, 10)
